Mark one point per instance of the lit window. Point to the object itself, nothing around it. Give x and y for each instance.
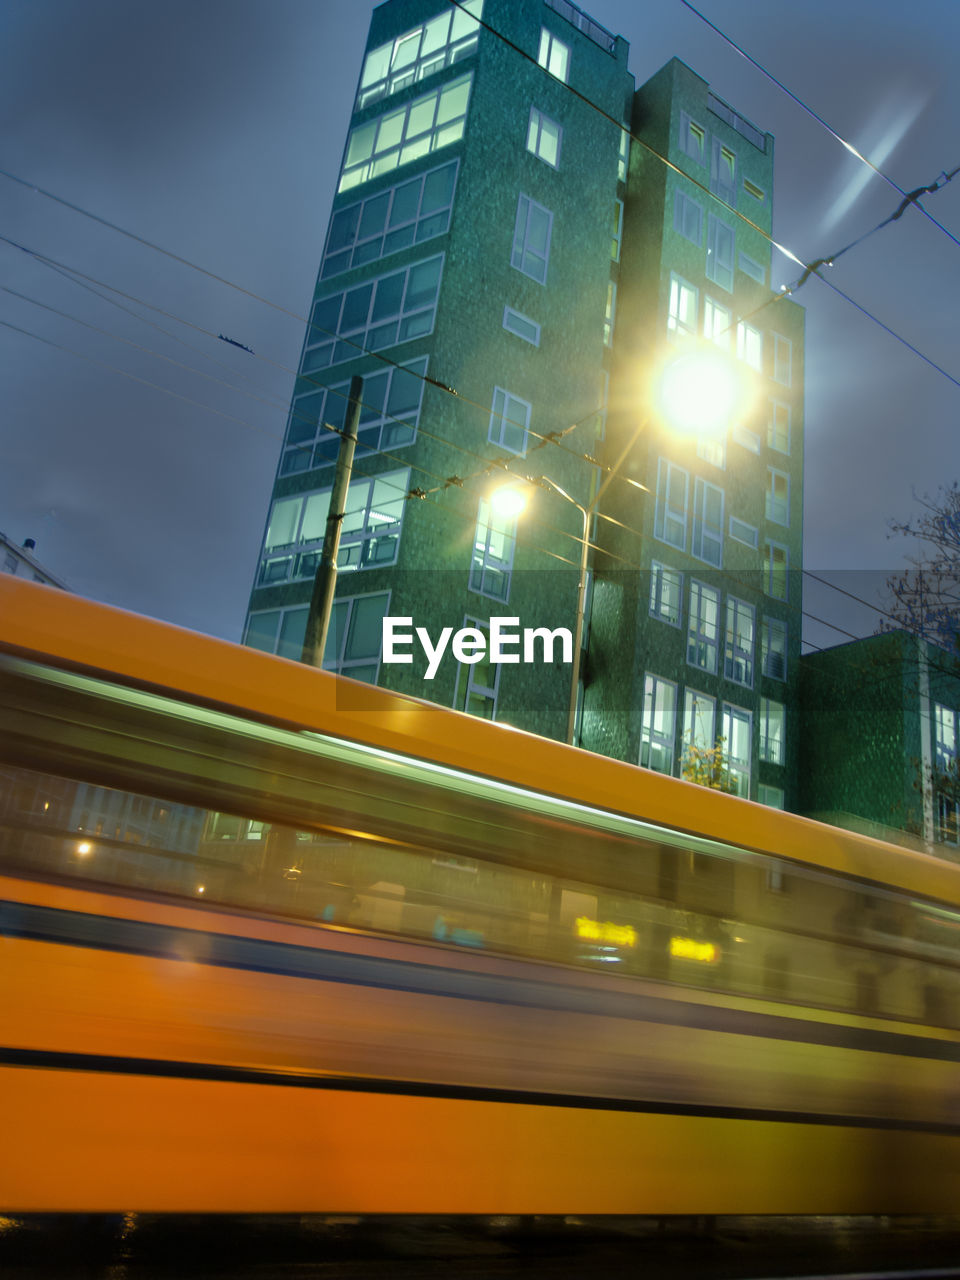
(509, 421)
(543, 137)
(521, 326)
(478, 682)
(699, 721)
(737, 732)
(752, 189)
(748, 534)
(752, 268)
(418, 53)
(948, 818)
(778, 497)
(623, 158)
(369, 532)
(406, 214)
(720, 248)
(665, 590)
(692, 138)
(617, 230)
(609, 314)
(659, 724)
(406, 134)
(670, 518)
(682, 315)
(945, 724)
(376, 314)
(775, 569)
(707, 540)
(739, 642)
(388, 417)
(782, 359)
(723, 172)
(771, 731)
(717, 322)
(703, 627)
(712, 449)
(750, 345)
(778, 426)
(492, 558)
(688, 218)
(554, 55)
(531, 239)
(773, 648)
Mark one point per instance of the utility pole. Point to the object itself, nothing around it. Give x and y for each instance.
(325, 583)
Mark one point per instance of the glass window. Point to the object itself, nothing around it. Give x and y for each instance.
(609, 316)
(737, 732)
(703, 627)
(670, 518)
(409, 213)
(554, 55)
(739, 642)
(355, 636)
(279, 631)
(520, 325)
(948, 818)
(717, 322)
(782, 360)
(531, 239)
(509, 421)
(771, 796)
(682, 309)
(692, 138)
(688, 218)
(713, 449)
(659, 724)
(478, 682)
(778, 496)
(740, 531)
(493, 548)
(666, 586)
(778, 426)
(707, 540)
(945, 723)
(617, 230)
(544, 137)
(720, 248)
(699, 721)
(418, 53)
(750, 345)
(776, 562)
(623, 158)
(752, 189)
(773, 648)
(428, 123)
(723, 172)
(772, 719)
(752, 268)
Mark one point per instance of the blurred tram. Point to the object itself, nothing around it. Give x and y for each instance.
(275, 941)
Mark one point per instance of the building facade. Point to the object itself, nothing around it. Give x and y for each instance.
(519, 243)
(22, 561)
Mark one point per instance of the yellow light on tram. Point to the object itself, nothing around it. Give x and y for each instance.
(691, 949)
(201, 888)
(617, 935)
(84, 847)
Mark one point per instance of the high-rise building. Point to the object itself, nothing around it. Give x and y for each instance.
(519, 244)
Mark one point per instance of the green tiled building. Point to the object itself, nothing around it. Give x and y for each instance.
(509, 270)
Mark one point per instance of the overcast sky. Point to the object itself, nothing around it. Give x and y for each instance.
(214, 129)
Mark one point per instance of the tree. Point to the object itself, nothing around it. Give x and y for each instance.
(706, 767)
(926, 597)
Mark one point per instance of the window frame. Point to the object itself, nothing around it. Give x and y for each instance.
(701, 533)
(545, 55)
(682, 205)
(651, 739)
(772, 748)
(720, 272)
(693, 138)
(500, 421)
(663, 511)
(537, 119)
(509, 312)
(739, 768)
(660, 576)
(769, 626)
(520, 249)
(483, 561)
(738, 647)
(472, 688)
(699, 640)
(774, 430)
(680, 290)
(775, 506)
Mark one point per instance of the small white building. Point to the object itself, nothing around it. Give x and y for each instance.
(20, 560)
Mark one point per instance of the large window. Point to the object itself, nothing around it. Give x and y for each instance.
(707, 540)
(778, 496)
(509, 421)
(353, 639)
(373, 315)
(739, 642)
(406, 214)
(748, 534)
(688, 218)
(945, 724)
(493, 547)
(531, 239)
(699, 721)
(778, 427)
(723, 172)
(772, 719)
(369, 532)
(717, 321)
(544, 137)
(418, 53)
(659, 724)
(692, 138)
(388, 417)
(737, 732)
(703, 627)
(682, 310)
(478, 682)
(750, 345)
(720, 248)
(665, 588)
(521, 326)
(773, 648)
(554, 55)
(399, 137)
(776, 564)
(610, 314)
(670, 517)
